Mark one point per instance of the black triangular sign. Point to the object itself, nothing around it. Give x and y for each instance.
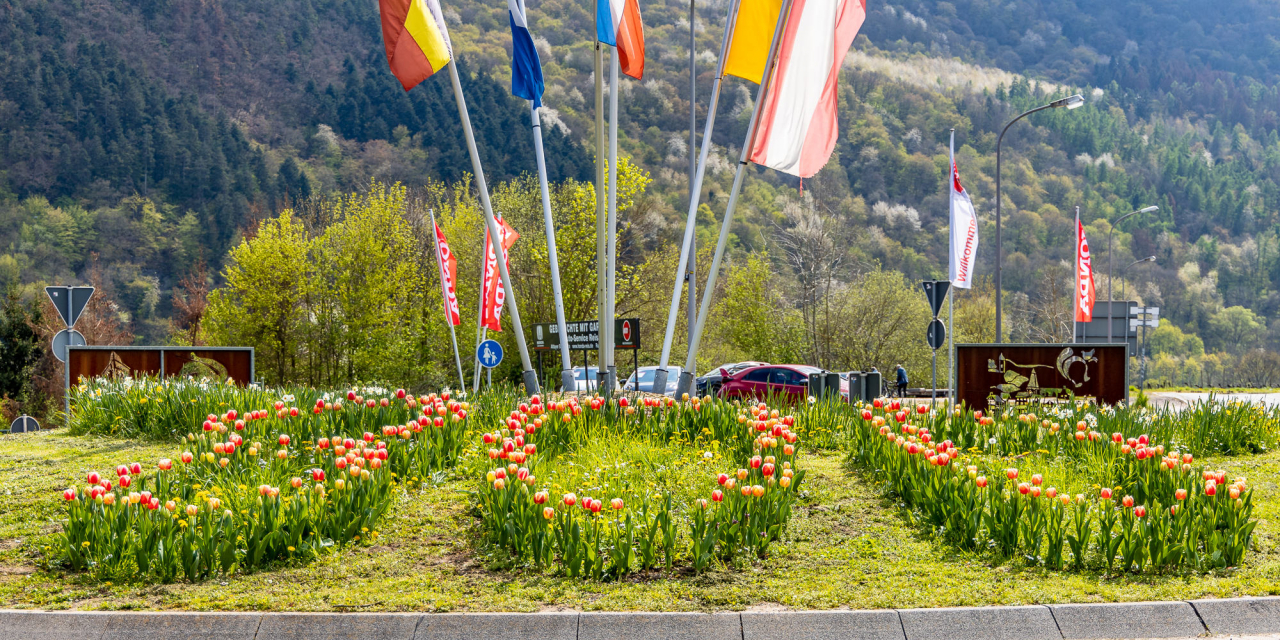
(79, 298)
(61, 298)
(936, 292)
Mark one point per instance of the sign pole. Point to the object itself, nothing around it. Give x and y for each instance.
(495, 234)
(453, 335)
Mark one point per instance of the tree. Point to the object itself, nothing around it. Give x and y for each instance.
(1236, 329)
(261, 304)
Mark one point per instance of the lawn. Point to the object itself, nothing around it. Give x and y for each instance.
(848, 545)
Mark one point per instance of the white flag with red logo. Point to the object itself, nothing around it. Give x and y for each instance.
(1085, 292)
(491, 283)
(448, 275)
(964, 232)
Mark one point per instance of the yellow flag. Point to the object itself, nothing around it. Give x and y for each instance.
(752, 34)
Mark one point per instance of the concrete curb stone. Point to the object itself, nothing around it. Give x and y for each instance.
(508, 626)
(823, 625)
(342, 626)
(1032, 622)
(1240, 615)
(1127, 620)
(650, 626)
(51, 625)
(160, 625)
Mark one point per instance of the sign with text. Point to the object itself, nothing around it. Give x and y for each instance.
(585, 335)
(995, 374)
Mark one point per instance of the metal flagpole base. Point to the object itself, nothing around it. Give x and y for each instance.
(530, 381)
(659, 381)
(685, 386)
(609, 381)
(566, 380)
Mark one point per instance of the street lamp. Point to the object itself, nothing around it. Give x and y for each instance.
(1110, 300)
(1070, 102)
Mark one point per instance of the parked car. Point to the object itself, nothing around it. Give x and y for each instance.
(708, 384)
(788, 382)
(646, 381)
(586, 379)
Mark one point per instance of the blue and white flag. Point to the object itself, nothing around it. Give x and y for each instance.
(526, 70)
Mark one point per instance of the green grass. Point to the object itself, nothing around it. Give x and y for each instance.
(848, 546)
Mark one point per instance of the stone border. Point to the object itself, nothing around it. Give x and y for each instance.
(1177, 619)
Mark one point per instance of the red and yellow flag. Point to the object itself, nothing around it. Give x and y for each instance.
(416, 39)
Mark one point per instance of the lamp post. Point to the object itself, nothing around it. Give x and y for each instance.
(1110, 300)
(1126, 270)
(1070, 102)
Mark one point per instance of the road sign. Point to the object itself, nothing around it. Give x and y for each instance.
(585, 335)
(63, 339)
(936, 292)
(489, 353)
(69, 301)
(936, 334)
(24, 424)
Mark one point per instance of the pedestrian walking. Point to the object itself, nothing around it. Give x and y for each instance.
(902, 382)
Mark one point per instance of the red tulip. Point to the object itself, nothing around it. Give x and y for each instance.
(622, 402)
(1180, 494)
(283, 440)
(1011, 473)
(351, 396)
(722, 478)
(1105, 494)
(1210, 489)
(717, 496)
(1024, 488)
(122, 470)
(125, 481)
(616, 503)
(293, 412)
(570, 499)
(93, 477)
(384, 402)
(1140, 511)
(69, 494)
(400, 393)
(922, 409)
(318, 474)
(1127, 501)
(1037, 479)
(767, 469)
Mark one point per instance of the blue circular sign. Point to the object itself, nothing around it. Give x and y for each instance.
(489, 353)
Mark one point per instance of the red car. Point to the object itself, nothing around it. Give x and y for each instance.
(789, 382)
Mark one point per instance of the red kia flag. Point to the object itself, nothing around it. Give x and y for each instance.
(491, 283)
(1086, 294)
(448, 276)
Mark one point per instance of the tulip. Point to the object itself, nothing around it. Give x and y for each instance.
(93, 477)
(548, 513)
(616, 503)
(1011, 473)
(1105, 494)
(1127, 501)
(722, 478)
(570, 500)
(757, 491)
(69, 494)
(125, 481)
(1024, 488)
(1210, 489)
(1180, 494)
(1051, 492)
(135, 468)
(1140, 511)
(785, 481)
(1037, 479)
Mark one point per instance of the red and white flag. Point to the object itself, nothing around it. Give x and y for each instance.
(796, 132)
(1085, 292)
(491, 283)
(964, 230)
(448, 276)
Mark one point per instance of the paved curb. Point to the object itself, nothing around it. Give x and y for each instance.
(1177, 619)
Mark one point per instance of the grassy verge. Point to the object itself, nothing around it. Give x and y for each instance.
(848, 547)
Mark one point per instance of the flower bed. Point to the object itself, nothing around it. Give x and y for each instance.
(230, 501)
(614, 530)
(1144, 506)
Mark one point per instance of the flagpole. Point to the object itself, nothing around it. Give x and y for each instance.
(495, 237)
(606, 329)
(448, 317)
(692, 277)
(1075, 281)
(690, 224)
(686, 376)
(951, 297)
(601, 218)
(566, 366)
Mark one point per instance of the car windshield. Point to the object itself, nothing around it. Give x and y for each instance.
(579, 374)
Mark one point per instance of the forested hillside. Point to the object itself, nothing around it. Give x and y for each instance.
(141, 139)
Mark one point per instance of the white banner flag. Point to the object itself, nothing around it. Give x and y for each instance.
(964, 231)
